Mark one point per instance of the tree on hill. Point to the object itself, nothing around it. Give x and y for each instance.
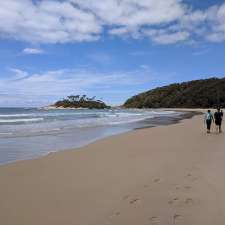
(193, 94)
(77, 101)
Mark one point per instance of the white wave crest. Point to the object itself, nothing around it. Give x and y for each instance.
(21, 120)
(14, 115)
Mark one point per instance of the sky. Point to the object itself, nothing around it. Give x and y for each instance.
(111, 49)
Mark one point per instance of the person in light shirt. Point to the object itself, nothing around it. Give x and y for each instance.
(208, 120)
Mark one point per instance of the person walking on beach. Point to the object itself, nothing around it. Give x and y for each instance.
(208, 119)
(218, 116)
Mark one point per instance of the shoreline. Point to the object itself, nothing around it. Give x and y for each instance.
(159, 121)
(187, 115)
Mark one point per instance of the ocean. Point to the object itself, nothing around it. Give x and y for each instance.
(27, 133)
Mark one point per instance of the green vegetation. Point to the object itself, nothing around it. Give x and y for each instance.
(77, 101)
(194, 94)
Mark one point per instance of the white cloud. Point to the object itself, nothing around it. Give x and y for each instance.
(134, 12)
(47, 87)
(171, 38)
(217, 30)
(46, 22)
(61, 21)
(18, 74)
(167, 36)
(208, 24)
(33, 51)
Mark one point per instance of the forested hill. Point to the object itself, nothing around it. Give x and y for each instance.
(193, 94)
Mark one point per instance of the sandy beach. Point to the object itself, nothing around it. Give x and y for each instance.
(165, 175)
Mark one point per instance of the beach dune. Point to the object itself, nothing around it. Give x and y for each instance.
(158, 176)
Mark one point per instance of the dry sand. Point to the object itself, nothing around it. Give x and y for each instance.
(159, 176)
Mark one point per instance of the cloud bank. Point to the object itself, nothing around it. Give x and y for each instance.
(38, 89)
(64, 21)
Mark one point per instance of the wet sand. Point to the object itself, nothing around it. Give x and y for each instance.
(165, 175)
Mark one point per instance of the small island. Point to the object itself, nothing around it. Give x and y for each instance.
(80, 101)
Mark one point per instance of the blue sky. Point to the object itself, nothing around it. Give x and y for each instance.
(112, 49)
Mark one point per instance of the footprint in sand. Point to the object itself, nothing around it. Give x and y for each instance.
(187, 187)
(154, 220)
(157, 180)
(174, 200)
(112, 216)
(134, 201)
(176, 217)
(126, 197)
(188, 201)
(189, 175)
(131, 200)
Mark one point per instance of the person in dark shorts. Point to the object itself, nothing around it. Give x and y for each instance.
(208, 120)
(218, 116)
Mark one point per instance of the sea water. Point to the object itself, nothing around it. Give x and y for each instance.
(27, 133)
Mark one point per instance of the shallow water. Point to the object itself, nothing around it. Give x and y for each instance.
(27, 133)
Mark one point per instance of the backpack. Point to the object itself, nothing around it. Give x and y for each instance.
(208, 116)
